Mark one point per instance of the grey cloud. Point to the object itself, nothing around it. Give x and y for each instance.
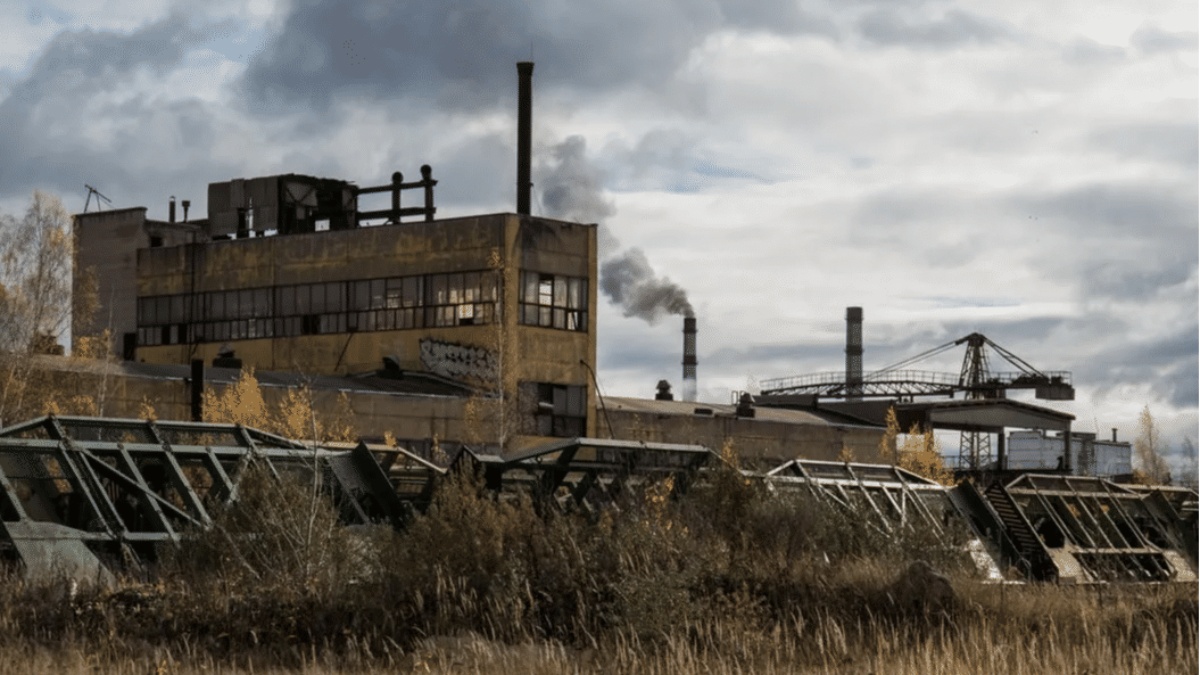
(477, 170)
(1152, 39)
(44, 118)
(1173, 264)
(1169, 362)
(1139, 208)
(1173, 143)
(640, 356)
(952, 29)
(1085, 52)
(460, 55)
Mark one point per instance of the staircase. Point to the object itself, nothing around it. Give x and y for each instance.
(999, 523)
(1028, 546)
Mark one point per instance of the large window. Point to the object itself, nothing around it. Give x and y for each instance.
(553, 301)
(418, 301)
(558, 409)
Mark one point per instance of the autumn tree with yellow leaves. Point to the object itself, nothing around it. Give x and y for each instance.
(918, 452)
(295, 415)
(1151, 467)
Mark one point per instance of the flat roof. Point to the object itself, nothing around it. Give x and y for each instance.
(761, 414)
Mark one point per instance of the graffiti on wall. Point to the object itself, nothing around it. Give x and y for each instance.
(457, 361)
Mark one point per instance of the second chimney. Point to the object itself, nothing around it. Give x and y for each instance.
(524, 134)
(689, 358)
(854, 352)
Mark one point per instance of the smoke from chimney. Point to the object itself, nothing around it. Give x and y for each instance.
(629, 281)
(572, 185)
(572, 191)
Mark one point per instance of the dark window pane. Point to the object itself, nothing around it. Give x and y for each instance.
(360, 295)
(412, 291)
(262, 302)
(246, 303)
(437, 289)
(286, 301)
(335, 297)
(378, 288)
(316, 298)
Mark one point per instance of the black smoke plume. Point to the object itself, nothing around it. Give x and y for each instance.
(630, 282)
(572, 191)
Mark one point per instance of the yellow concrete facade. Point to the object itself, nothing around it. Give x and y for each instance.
(499, 245)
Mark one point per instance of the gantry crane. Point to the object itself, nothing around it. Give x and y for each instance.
(975, 380)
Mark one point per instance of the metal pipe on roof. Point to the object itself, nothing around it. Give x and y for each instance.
(524, 134)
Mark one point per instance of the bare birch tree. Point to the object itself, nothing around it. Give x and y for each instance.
(35, 275)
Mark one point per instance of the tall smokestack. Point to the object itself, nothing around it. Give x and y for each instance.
(689, 358)
(524, 134)
(854, 352)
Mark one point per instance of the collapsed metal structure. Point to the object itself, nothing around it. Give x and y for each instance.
(88, 496)
(79, 495)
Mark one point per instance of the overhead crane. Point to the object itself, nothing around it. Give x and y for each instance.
(975, 380)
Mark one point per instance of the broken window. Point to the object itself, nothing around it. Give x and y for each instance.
(558, 410)
(553, 301)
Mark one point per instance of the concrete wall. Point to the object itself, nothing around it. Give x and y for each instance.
(107, 245)
(753, 439)
(455, 419)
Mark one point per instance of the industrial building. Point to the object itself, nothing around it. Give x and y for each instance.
(440, 328)
(429, 326)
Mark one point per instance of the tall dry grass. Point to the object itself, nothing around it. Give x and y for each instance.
(726, 579)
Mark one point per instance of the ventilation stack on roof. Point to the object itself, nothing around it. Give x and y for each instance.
(689, 358)
(524, 134)
(854, 352)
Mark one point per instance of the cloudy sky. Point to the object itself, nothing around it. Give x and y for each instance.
(1024, 169)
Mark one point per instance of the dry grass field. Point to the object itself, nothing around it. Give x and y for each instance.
(724, 580)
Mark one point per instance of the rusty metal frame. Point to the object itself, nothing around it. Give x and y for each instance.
(588, 473)
(1089, 529)
(82, 495)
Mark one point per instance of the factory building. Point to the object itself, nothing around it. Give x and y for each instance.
(479, 300)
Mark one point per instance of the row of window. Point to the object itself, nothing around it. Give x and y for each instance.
(423, 301)
(315, 324)
(464, 288)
